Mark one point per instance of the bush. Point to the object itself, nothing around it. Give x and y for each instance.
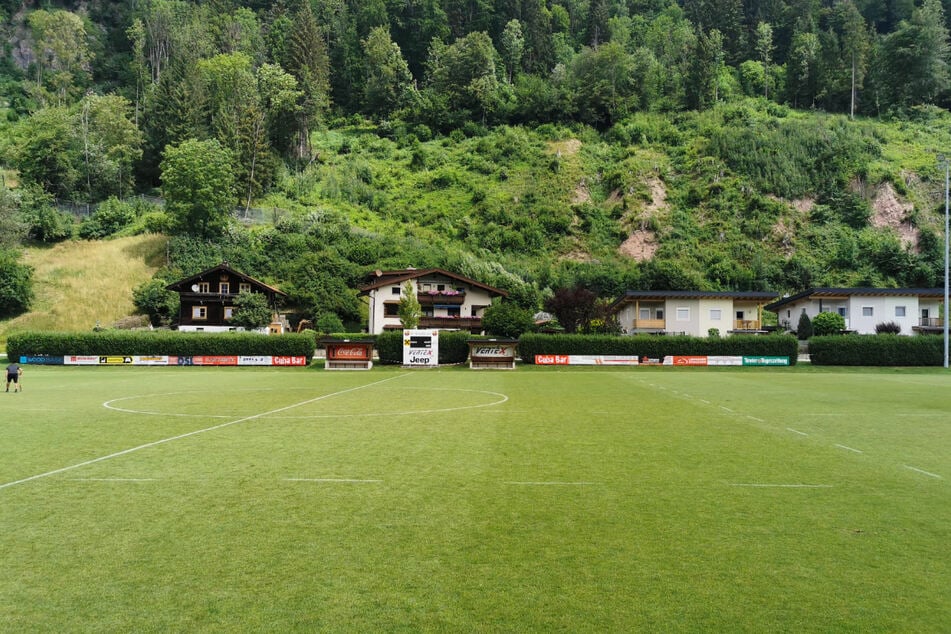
(110, 217)
(828, 324)
(328, 323)
(153, 299)
(121, 342)
(658, 346)
(875, 350)
(16, 285)
(887, 328)
(505, 319)
(804, 330)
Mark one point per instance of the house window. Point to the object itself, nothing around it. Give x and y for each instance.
(843, 311)
(224, 288)
(244, 287)
(683, 314)
(899, 311)
(395, 290)
(391, 310)
(788, 314)
(645, 313)
(660, 314)
(229, 312)
(199, 312)
(453, 311)
(740, 315)
(204, 287)
(867, 311)
(440, 287)
(715, 314)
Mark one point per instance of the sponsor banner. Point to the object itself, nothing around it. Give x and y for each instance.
(725, 361)
(42, 359)
(154, 360)
(765, 361)
(693, 361)
(585, 359)
(288, 361)
(348, 352)
(493, 350)
(260, 360)
(81, 359)
(214, 360)
(421, 348)
(115, 360)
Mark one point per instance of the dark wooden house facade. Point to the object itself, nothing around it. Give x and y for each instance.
(207, 299)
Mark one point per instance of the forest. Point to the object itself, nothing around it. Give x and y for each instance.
(535, 145)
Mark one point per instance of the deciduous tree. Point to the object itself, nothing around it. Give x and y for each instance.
(198, 184)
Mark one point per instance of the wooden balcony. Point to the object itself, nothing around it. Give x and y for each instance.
(649, 324)
(456, 323)
(747, 324)
(432, 299)
(929, 324)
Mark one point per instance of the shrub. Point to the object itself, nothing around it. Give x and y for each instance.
(122, 342)
(887, 328)
(153, 299)
(828, 324)
(328, 323)
(870, 350)
(251, 311)
(16, 285)
(110, 217)
(804, 330)
(505, 319)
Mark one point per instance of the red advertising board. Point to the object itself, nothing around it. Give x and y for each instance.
(214, 360)
(289, 361)
(698, 361)
(552, 359)
(349, 351)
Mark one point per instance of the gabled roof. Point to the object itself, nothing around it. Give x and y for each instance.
(631, 296)
(387, 278)
(932, 293)
(184, 286)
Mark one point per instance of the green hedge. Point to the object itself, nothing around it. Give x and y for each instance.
(655, 346)
(124, 342)
(453, 347)
(881, 350)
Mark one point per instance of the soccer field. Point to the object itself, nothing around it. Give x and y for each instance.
(609, 500)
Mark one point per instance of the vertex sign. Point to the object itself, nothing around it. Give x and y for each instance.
(501, 351)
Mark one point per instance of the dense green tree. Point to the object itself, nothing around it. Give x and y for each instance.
(605, 82)
(705, 67)
(914, 59)
(507, 319)
(308, 61)
(13, 228)
(389, 84)
(63, 54)
(828, 323)
(198, 185)
(764, 50)
(251, 311)
(855, 44)
(16, 285)
(464, 77)
(153, 299)
(409, 310)
(512, 46)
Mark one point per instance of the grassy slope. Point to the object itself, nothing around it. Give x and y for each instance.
(80, 283)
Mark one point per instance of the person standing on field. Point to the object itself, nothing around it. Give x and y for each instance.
(13, 376)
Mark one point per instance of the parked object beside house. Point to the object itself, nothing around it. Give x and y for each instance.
(915, 310)
(449, 301)
(693, 313)
(207, 299)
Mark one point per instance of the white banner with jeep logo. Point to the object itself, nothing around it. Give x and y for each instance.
(420, 348)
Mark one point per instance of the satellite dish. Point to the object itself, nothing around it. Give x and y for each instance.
(194, 288)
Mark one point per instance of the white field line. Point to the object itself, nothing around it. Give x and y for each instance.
(191, 433)
(758, 420)
(113, 479)
(345, 480)
(783, 486)
(927, 473)
(551, 484)
(727, 409)
(849, 449)
(796, 431)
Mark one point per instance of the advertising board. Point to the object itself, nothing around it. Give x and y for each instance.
(421, 348)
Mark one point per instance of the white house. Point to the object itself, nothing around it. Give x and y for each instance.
(913, 309)
(691, 312)
(449, 301)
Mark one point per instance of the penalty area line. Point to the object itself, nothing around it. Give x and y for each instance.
(923, 472)
(163, 441)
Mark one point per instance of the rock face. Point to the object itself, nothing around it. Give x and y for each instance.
(889, 211)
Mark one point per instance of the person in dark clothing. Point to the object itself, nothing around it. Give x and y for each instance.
(13, 376)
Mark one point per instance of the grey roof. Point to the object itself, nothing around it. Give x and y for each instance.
(662, 295)
(866, 291)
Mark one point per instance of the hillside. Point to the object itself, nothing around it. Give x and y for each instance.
(80, 284)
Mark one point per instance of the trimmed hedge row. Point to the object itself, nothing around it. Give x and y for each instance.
(879, 350)
(658, 346)
(453, 347)
(165, 342)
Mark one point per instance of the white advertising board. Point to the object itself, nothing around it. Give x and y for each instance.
(421, 348)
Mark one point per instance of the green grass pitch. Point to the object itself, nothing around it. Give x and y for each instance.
(573, 500)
